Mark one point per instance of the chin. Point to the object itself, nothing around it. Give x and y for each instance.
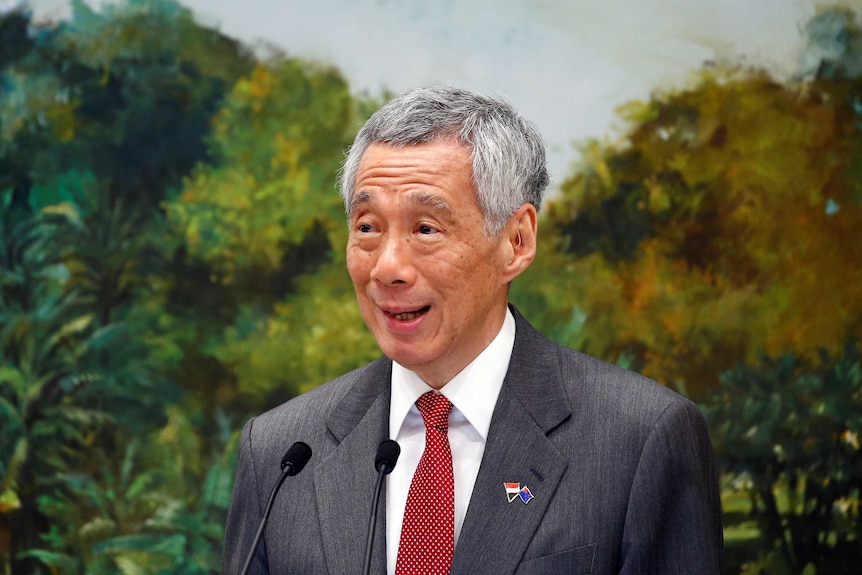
(409, 358)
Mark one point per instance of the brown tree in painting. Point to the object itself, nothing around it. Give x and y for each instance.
(724, 226)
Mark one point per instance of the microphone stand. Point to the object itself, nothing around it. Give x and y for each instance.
(387, 456)
(291, 464)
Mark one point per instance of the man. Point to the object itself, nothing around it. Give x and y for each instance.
(552, 462)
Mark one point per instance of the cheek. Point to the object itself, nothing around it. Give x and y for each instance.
(358, 264)
(469, 282)
(478, 265)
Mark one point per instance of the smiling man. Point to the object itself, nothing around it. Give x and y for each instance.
(518, 455)
(430, 282)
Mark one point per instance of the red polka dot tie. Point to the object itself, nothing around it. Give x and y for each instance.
(428, 532)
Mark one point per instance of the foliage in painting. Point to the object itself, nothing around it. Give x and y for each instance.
(725, 227)
(167, 200)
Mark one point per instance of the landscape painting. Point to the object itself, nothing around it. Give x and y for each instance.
(172, 263)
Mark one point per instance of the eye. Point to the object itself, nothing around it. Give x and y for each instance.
(365, 228)
(426, 230)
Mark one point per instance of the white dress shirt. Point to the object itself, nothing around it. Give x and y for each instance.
(473, 393)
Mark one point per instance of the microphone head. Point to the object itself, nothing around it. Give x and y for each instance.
(387, 456)
(295, 458)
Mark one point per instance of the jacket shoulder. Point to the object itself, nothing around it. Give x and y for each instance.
(607, 390)
(308, 412)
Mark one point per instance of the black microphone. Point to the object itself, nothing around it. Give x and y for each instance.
(387, 456)
(293, 462)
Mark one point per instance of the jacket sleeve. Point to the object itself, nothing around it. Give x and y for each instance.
(673, 518)
(244, 513)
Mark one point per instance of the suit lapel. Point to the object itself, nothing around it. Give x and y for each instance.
(532, 402)
(344, 481)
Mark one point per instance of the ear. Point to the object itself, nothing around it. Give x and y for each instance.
(518, 242)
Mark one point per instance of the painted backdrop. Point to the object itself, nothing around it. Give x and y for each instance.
(171, 263)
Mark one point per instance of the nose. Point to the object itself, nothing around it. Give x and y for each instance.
(395, 263)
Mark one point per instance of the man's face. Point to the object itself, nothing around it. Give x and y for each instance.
(431, 286)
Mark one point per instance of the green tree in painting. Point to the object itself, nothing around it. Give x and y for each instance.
(790, 435)
(266, 222)
(100, 118)
(40, 329)
(64, 377)
(104, 118)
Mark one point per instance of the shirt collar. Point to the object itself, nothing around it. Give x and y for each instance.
(473, 391)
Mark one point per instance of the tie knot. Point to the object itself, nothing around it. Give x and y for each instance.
(435, 409)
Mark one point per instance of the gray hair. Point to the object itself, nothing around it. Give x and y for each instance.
(507, 151)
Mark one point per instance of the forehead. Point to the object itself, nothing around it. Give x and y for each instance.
(438, 173)
(444, 157)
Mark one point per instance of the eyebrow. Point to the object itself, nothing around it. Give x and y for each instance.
(357, 200)
(419, 198)
(432, 200)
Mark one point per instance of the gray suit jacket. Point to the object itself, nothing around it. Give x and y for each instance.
(620, 468)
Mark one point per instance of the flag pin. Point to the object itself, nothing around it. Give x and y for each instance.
(515, 491)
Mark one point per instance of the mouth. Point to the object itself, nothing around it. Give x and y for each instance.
(409, 315)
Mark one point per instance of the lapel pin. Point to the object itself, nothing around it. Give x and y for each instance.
(515, 491)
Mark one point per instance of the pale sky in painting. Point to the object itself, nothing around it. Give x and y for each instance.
(564, 64)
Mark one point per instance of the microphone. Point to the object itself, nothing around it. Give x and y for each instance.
(294, 460)
(387, 456)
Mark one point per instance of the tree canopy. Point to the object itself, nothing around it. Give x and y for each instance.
(723, 226)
